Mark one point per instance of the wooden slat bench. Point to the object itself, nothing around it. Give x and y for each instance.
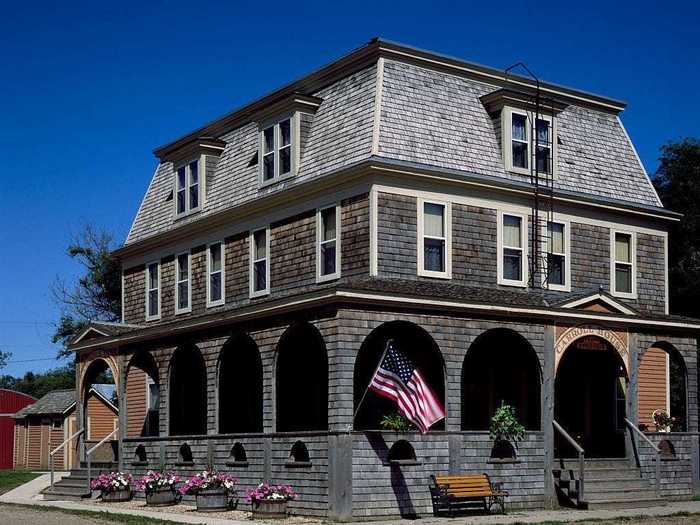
(460, 492)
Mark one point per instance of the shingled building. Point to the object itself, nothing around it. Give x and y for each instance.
(507, 238)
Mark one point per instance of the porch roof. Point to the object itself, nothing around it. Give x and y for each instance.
(398, 293)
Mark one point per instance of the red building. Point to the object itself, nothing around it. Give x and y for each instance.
(10, 403)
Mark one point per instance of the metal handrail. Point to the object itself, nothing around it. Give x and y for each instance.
(59, 447)
(581, 457)
(88, 453)
(655, 448)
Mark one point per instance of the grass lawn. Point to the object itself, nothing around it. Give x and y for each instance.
(9, 479)
(98, 517)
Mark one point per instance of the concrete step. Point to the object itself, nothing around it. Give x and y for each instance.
(595, 495)
(65, 493)
(618, 484)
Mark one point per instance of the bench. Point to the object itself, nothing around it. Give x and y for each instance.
(460, 492)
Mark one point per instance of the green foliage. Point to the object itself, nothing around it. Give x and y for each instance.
(38, 384)
(505, 426)
(97, 293)
(4, 358)
(678, 183)
(395, 421)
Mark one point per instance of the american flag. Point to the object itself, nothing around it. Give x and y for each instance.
(399, 380)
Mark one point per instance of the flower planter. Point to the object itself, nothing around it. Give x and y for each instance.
(164, 497)
(117, 496)
(212, 500)
(265, 509)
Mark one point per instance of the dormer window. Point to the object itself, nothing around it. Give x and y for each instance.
(527, 141)
(187, 194)
(277, 147)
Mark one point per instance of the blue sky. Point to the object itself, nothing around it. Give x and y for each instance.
(88, 90)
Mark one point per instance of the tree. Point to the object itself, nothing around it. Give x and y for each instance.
(4, 358)
(97, 293)
(38, 384)
(678, 183)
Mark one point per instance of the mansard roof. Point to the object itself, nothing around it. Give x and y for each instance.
(415, 107)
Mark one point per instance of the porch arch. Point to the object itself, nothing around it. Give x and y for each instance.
(240, 386)
(142, 396)
(301, 373)
(418, 346)
(501, 366)
(187, 388)
(662, 379)
(98, 398)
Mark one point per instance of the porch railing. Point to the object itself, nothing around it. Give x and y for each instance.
(60, 447)
(88, 456)
(581, 459)
(657, 453)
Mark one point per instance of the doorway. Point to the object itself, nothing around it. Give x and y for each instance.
(590, 399)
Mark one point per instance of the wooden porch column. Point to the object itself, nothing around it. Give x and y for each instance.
(121, 400)
(548, 414)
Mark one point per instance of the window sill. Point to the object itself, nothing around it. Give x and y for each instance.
(277, 180)
(298, 464)
(624, 295)
(155, 318)
(503, 461)
(515, 284)
(240, 464)
(263, 293)
(217, 303)
(434, 275)
(327, 278)
(179, 217)
(403, 463)
(185, 311)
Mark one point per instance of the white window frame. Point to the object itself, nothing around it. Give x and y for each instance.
(149, 382)
(319, 229)
(148, 289)
(447, 217)
(222, 300)
(188, 184)
(524, 249)
(251, 269)
(188, 308)
(294, 135)
(507, 139)
(633, 263)
(566, 287)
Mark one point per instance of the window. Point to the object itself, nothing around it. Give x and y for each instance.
(152, 291)
(623, 256)
(434, 257)
(152, 394)
(522, 135)
(276, 145)
(328, 243)
(183, 289)
(215, 272)
(511, 240)
(187, 188)
(259, 266)
(558, 267)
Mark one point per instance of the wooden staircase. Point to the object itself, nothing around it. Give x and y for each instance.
(608, 484)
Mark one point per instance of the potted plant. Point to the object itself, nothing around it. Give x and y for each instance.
(662, 421)
(159, 488)
(506, 431)
(396, 422)
(270, 501)
(113, 486)
(213, 490)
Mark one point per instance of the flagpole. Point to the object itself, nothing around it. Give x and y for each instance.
(381, 360)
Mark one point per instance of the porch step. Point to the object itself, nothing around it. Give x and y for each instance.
(70, 488)
(609, 483)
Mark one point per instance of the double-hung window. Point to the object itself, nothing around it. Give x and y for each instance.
(623, 260)
(558, 267)
(512, 259)
(187, 194)
(276, 143)
(215, 274)
(183, 283)
(259, 262)
(152, 291)
(328, 243)
(434, 246)
(528, 141)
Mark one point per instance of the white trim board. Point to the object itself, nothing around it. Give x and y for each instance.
(599, 297)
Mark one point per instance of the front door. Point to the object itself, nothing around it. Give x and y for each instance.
(590, 399)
